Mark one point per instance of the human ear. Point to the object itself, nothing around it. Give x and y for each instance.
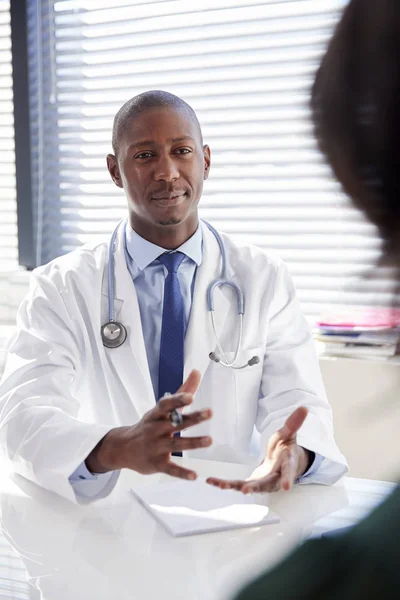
(207, 160)
(113, 169)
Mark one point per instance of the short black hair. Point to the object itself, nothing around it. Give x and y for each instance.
(139, 104)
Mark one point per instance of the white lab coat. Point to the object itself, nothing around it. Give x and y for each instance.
(62, 391)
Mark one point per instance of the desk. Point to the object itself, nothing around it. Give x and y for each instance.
(113, 549)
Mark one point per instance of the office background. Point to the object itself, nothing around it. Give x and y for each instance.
(246, 67)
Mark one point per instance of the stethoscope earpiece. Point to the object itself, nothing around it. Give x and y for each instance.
(254, 360)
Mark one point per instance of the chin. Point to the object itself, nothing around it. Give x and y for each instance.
(170, 221)
(171, 218)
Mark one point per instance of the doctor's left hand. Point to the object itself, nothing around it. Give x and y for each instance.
(285, 461)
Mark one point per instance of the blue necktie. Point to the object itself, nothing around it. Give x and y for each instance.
(170, 370)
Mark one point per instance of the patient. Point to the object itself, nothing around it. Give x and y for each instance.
(356, 111)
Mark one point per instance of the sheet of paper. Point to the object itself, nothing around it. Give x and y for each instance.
(192, 507)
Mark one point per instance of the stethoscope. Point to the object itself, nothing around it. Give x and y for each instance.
(114, 334)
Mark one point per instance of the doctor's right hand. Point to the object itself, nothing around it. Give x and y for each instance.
(147, 446)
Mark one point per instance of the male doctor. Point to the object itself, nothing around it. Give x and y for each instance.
(74, 411)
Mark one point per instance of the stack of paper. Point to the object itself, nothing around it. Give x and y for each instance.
(363, 332)
(191, 507)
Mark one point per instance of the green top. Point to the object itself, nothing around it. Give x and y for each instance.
(361, 564)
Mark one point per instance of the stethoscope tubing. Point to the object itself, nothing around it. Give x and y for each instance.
(222, 280)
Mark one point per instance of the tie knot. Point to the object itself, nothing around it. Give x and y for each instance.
(172, 260)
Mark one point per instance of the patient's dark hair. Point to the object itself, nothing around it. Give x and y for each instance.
(356, 111)
(143, 102)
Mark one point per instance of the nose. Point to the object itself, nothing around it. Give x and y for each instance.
(166, 169)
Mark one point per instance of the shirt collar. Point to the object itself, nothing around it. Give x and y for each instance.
(143, 252)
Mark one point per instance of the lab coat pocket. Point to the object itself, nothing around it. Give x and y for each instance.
(247, 391)
(232, 395)
(235, 414)
(217, 391)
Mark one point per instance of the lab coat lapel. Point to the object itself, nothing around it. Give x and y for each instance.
(200, 338)
(131, 358)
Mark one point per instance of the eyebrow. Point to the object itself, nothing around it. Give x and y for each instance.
(182, 139)
(151, 142)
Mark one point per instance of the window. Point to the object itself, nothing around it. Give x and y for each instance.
(8, 205)
(8, 208)
(246, 67)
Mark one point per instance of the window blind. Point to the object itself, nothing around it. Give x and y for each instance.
(13, 575)
(246, 68)
(8, 205)
(8, 209)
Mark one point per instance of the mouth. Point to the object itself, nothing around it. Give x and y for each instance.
(169, 199)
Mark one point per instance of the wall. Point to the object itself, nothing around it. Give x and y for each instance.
(365, 397)
(364, 394)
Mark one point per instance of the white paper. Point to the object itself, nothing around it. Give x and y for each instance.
(192, 507)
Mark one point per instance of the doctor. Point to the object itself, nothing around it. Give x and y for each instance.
(79, 399)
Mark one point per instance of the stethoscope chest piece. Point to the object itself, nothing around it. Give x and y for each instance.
(113, 334)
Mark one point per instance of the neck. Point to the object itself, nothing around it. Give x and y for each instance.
(166, 236)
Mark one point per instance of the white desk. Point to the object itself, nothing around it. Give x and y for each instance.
(115, 550)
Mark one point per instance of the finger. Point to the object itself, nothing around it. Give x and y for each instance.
(224, 484)
(192, 383)
(293, 423)
(177, 471)
(165, 405)
(265, 468)
(194, 419)
(180, 444)
(263, 485)
(166, 427)
(288, 472)
(272, 444)
(181, 398)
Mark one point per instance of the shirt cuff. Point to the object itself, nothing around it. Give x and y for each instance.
(313, 468)
(82, 472)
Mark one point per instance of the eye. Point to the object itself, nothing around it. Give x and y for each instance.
(144, 155)
(182, 151)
